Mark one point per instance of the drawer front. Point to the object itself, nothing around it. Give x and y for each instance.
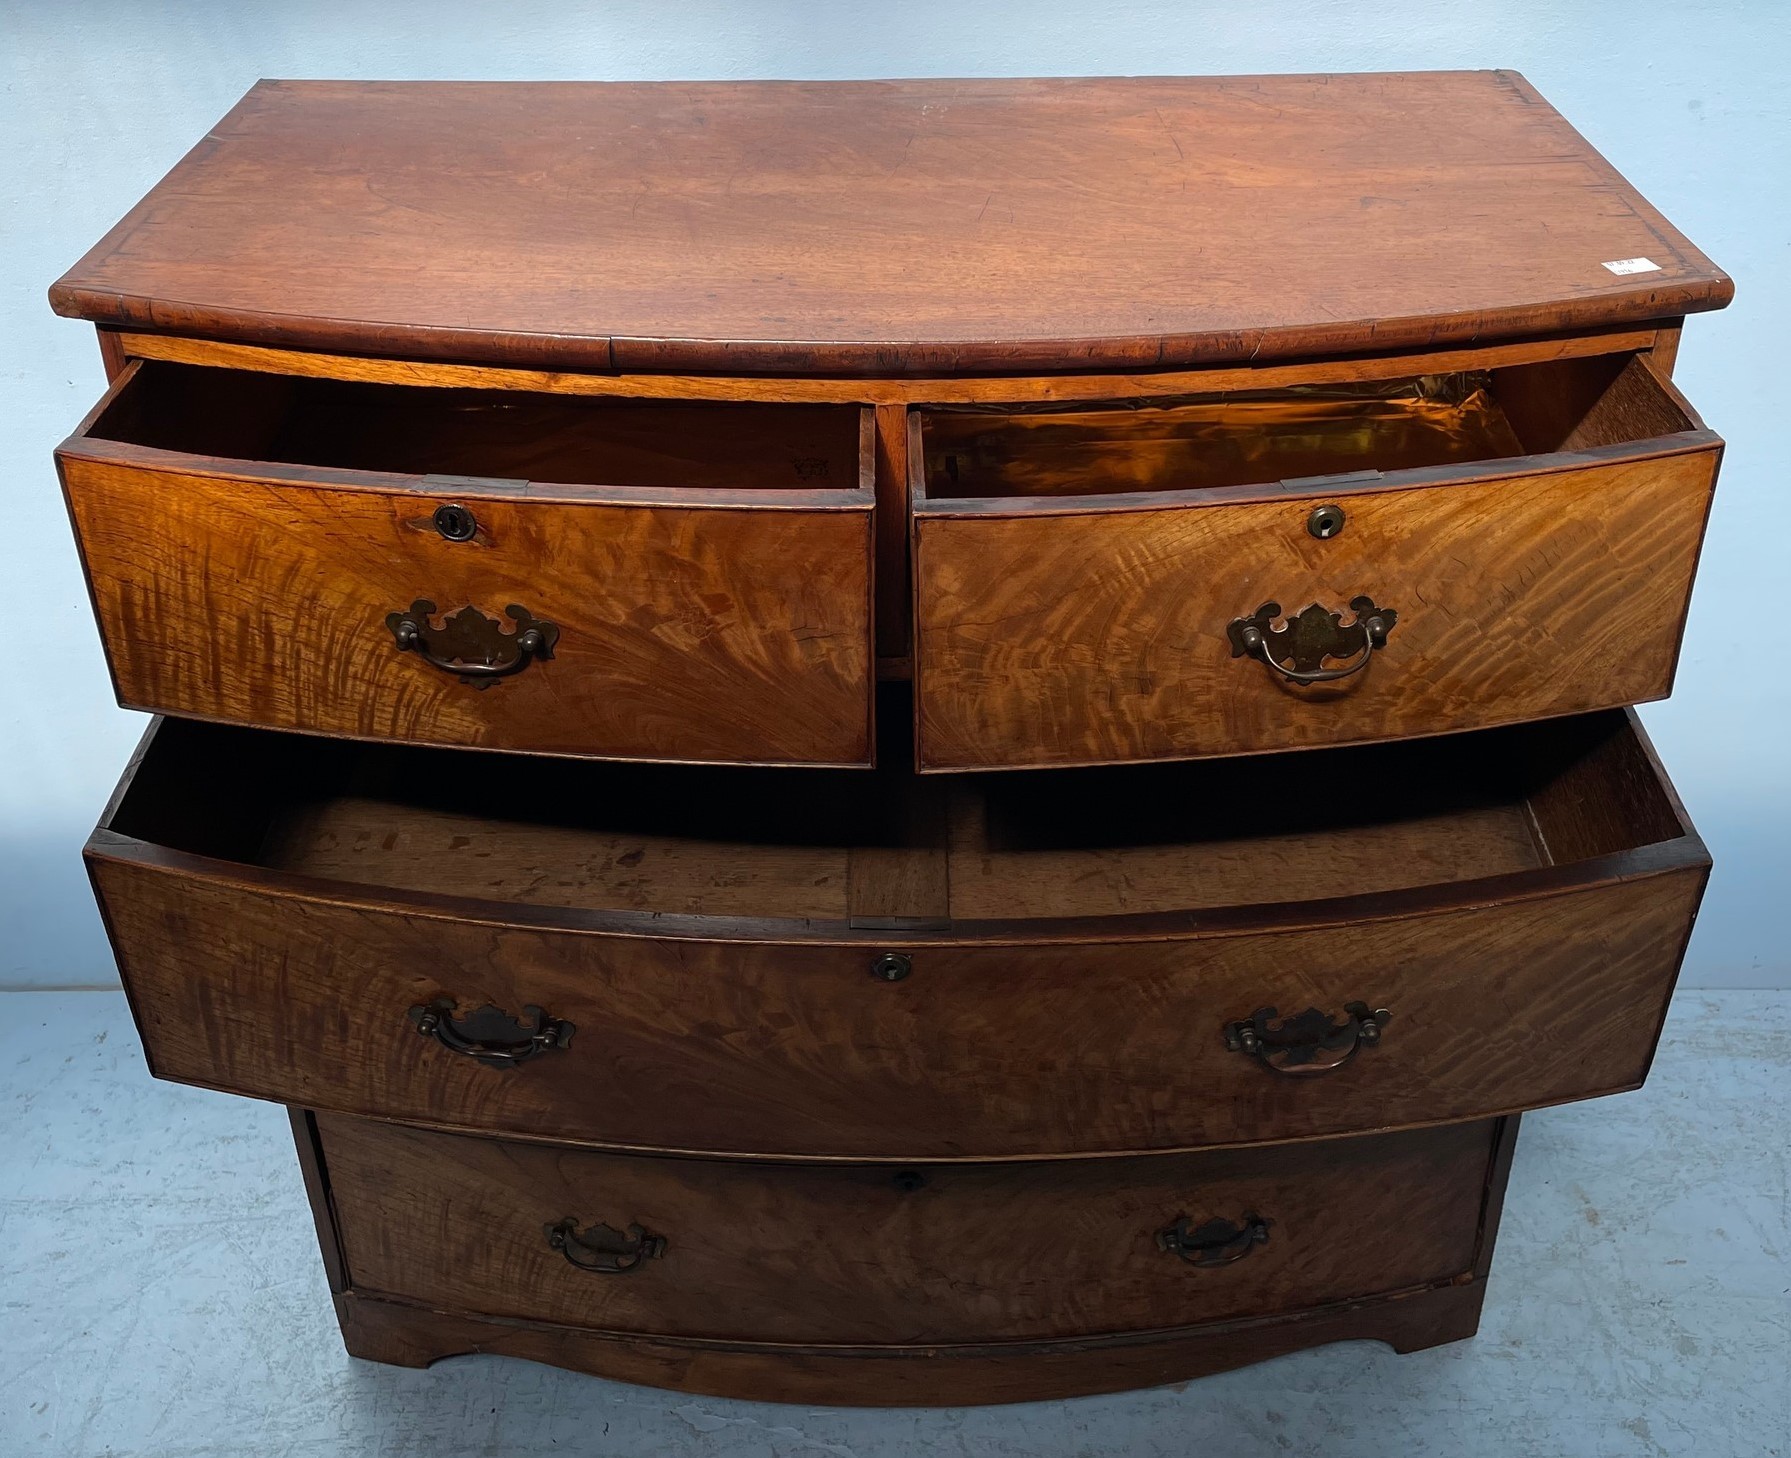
(736, 633)
(1054, 633)
(848, 1254)
(1003, 1048)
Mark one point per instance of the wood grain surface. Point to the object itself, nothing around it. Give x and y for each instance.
(384, 1329)
(1234, 439)
(1064, 629)
(716, 621)
(862, 1255)
(993, 1051)
(1095, 1027)
(889, 227)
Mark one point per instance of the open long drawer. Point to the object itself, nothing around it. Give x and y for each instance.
(765, 962)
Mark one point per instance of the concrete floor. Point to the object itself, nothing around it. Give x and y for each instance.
(160, 1294)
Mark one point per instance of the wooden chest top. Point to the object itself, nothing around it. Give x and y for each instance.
(890, 227)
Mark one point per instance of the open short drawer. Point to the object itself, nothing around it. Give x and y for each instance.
(1311, 566)
(549, 573)
(768, 962)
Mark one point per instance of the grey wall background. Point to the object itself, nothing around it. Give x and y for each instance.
(100, 98)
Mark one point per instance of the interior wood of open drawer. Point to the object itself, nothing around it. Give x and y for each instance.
(1244, 437)
(782, 845)
(503, 434)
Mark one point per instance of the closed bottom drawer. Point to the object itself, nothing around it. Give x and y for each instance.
(844, 1254)
(795, 964)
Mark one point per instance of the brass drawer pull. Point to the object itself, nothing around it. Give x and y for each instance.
(1298, 1045)
(470, 645)
(1311, 637)
(1216, 1243)
(602, 1248)
(489, 1035)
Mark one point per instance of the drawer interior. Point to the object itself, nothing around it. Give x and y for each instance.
(1237, 439)
(798, 844)
(505, 434)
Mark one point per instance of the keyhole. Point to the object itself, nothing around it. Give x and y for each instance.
(1325, 522)
(891, 967)
(455, 523)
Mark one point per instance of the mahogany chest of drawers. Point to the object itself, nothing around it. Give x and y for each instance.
(902, 742)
